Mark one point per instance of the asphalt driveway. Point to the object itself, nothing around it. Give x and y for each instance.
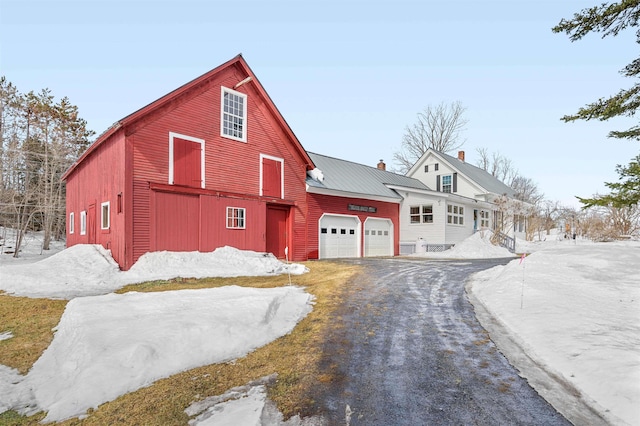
(407, 350)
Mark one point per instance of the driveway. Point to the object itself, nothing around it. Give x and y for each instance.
(407, 350)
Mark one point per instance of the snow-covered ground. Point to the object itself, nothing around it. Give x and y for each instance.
(477, 246)
(573, 306)
(108, 344)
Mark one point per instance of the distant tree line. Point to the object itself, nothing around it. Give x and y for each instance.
(39, 140)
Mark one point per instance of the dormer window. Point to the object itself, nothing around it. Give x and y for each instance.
(447, 183)
(233, 115)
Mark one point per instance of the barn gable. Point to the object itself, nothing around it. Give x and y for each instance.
(212, 163)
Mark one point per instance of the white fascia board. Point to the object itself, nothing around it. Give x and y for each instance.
(430, 192)
(444, 195)
(335, 193)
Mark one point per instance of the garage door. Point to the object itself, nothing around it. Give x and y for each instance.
(338, 236)
(378, 237)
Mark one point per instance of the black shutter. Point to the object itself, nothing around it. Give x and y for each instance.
(438, 183)
(455, 182)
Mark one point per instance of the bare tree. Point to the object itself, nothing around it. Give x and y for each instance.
(496, 164)
(438, 127)
(502, 169)
(608, 223)
(39, 139)
(526, 190)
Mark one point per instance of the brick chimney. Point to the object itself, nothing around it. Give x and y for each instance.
(382, 166)
(461, 156)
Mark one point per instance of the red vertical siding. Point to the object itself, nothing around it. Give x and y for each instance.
(214, 229)
(319, 204)
(176, 224)
(99, 179)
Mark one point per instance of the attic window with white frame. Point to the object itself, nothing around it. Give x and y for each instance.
(72, 223)
(233, 115)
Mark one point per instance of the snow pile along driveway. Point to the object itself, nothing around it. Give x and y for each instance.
(575, 310)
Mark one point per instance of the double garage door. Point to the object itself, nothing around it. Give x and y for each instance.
(340, 236)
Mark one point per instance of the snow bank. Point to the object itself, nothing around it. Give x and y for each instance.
(106, 346)
(575, 309)
(80, 270)
(477, 246)
(89, 270)
(223, 262)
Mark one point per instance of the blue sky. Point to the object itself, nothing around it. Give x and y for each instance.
(347, 75)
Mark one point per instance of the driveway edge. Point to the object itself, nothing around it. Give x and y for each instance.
(562, 395)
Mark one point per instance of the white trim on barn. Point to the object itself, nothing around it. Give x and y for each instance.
(281, 161)
(173, 135)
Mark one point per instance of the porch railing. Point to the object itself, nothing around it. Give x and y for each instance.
(506, 241)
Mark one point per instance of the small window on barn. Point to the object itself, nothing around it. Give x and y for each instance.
(83, 222)
(105, 215)
(352, 231)
(71, 223)
(235, 218)
(234, 115)
(323, 230)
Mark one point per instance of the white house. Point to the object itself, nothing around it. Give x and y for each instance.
(462, 199)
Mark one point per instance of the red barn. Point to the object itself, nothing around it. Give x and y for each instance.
(212, 163)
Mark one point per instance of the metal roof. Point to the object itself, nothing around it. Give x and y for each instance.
(479, 176)
(346, 176)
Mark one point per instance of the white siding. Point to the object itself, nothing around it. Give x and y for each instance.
(433, 233)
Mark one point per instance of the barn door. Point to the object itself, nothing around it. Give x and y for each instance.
(276, 232)
(177, 222)
(271, 177)
(187, 159)
(91, 223)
